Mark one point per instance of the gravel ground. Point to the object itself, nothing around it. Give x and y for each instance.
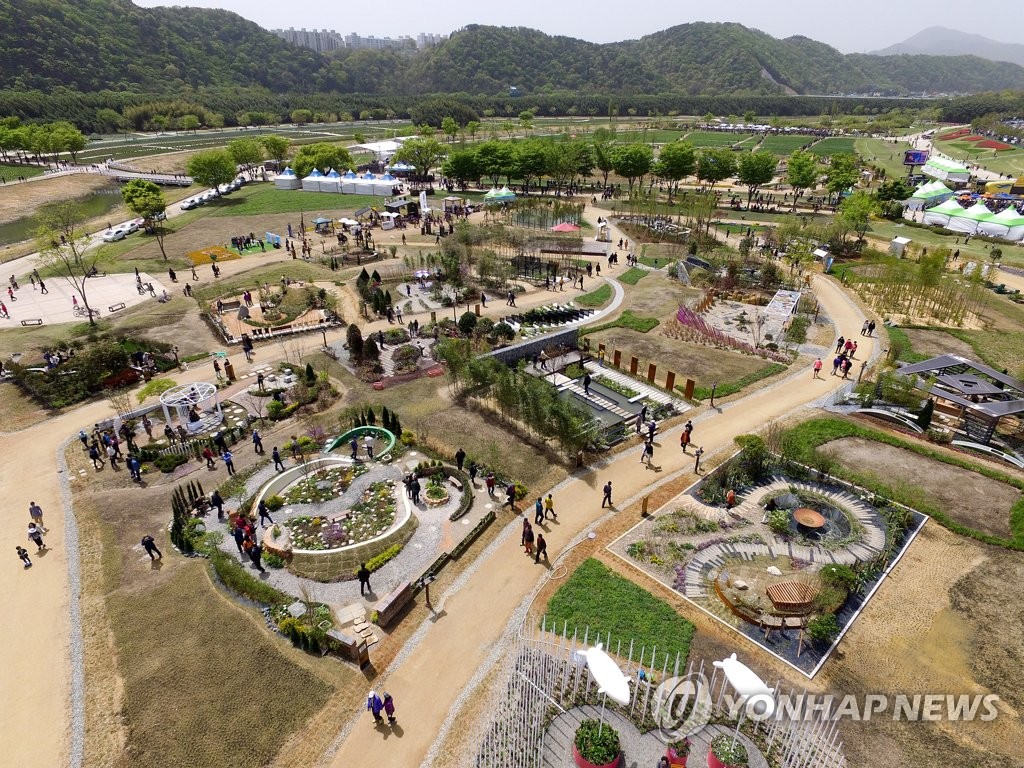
(76, 647)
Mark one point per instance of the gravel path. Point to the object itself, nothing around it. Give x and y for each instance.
(76, 641)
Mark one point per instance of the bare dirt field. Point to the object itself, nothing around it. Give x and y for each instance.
(18, 410)
(18, 201)
(689, 361)
(968, 497)
(657, 296)
(938, 343)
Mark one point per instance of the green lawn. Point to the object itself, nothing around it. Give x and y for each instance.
(11, 172)
(884, 154)
(629, 321)
(610, 604)
(833, 146)
(784, 145)
(717, 139)
(269, 200)
(1005, 161)
(632, 276)
(596, 298)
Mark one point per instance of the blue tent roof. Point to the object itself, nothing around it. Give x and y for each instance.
(287, 172)
(315, 174)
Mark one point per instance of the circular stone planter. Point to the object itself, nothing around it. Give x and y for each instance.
(438, 502)
(340, 563)
(582, 762)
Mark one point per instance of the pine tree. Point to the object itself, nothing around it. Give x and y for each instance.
(363, 277)
(385, 418)
(396, 425)
(310, 374)
(371, 417)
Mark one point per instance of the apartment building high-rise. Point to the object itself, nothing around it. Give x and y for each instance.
(325, 40)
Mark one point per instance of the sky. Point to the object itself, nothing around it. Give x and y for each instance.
(865, 25)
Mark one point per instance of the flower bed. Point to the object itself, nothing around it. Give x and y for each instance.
(323, 485)
(436, 494)
(371, 516)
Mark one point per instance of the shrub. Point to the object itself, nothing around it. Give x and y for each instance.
(467, 323)
(384, 557)
(830, 599)
(169, 462)
(274, 502)
(778, 521)
(240, 581)
(272, 560)
(839, 575)
(597, 743)
(408, 437)
(823, 628)
(275, 408)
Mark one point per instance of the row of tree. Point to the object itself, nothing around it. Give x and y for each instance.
(38, 142)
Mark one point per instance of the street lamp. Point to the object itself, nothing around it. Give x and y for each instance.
(714, 386)
(324, 332)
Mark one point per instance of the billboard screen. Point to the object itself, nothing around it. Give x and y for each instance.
(915, 157)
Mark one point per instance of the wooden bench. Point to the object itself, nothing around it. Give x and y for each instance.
(455, 483)
(393, 603)
(116, 307)
(33, 321)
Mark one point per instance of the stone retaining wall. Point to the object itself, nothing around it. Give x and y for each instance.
(336, 564)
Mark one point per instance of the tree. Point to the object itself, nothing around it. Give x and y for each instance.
(676, 161)
(463, 165)
(604, 159)
(109, 120)
(189, 123)
(301, 116)
(355, 342)
(467, 323)
(246, 152)
(495, 159)
(633, 162)
(449, 127)
(422, 153)
(715, 165)
(320, 155)
(146, 199)
(63, 246)
(212, 168)
(754, 170)
(531, 160)
(526, 119)
(843, 173)
(276, 147)
(472, 127)
(801, 173)
(857, 210)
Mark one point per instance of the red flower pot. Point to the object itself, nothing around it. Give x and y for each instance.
(581, 762)
(674, 758)
(714, 762)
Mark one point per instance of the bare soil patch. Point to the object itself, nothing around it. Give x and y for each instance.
(967, 497)
(21, 200)
(19, 411)
(689, 361)
(935, 343)
(656, 296)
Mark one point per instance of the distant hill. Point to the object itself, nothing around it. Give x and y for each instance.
(940, 41)
(99, 45)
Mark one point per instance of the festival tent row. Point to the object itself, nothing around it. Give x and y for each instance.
(978, 219)
(503, 195)
(930, 194)
(946, 170)
(287, 180)
(349, 183)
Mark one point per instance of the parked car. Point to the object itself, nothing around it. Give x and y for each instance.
(189, 203)
(113, 235)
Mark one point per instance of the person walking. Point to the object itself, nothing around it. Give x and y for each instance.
(147, 425)
(652, 428)
(542, 549)
(217, 502)
(276, 456)
(864, 329)
(353, 446)
(607, 498)
(460, 457)
(415, 487)
(839, 344)
(94, 454)
(510, 496)
(817, 369)
(871, 328)
(208, 455)
(36, 513)
(836, 362)
(364, 579)
(730, 498)
(853, 351)
(489, 481)
(151, 549)
(528, 537)
(36, 537)
(257, 442)
(368, 442)
(229, 462)
(389, 708)
(23, 555)
(586, 384)
(134, 467)
(375, 705)
(696, 464)
(538, 511)
(684, 440)
(255, 553)
(84, 437)
(239, 536)
(472, 473)
(549, 507)
(112, 456)
(641, 420)
(264, 512)
(648, 452)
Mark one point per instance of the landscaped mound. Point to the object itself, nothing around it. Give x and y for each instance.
(324, 485)
(369, 517)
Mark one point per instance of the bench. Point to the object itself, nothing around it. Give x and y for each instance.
(455, 483)
(393, 603)
(33, 321)
(116, 307)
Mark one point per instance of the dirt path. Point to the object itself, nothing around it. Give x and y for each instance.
(434, 673)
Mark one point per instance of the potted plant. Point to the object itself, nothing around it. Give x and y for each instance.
(596, 746)
(678, 751)
(725, 753)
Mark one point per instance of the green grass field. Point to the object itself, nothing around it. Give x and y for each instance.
(884, 154)
(837, 145)
(596, 298)
(717, 139)
(269, 200)
(610, 604)
(633, 275)
(11, 172)
(784, 145)
(1005, 161)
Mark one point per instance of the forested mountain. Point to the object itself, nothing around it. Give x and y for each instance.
(113, 45)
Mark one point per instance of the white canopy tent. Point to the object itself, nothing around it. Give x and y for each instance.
(287, 179)
(969, 220)
(946, 170)
(898, 245)
(312, 182)
(331, 182)
(932, 193)
(939, 215)
(1007, 224)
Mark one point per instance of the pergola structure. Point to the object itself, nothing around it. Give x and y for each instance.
(983, 395)
(184, 397)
